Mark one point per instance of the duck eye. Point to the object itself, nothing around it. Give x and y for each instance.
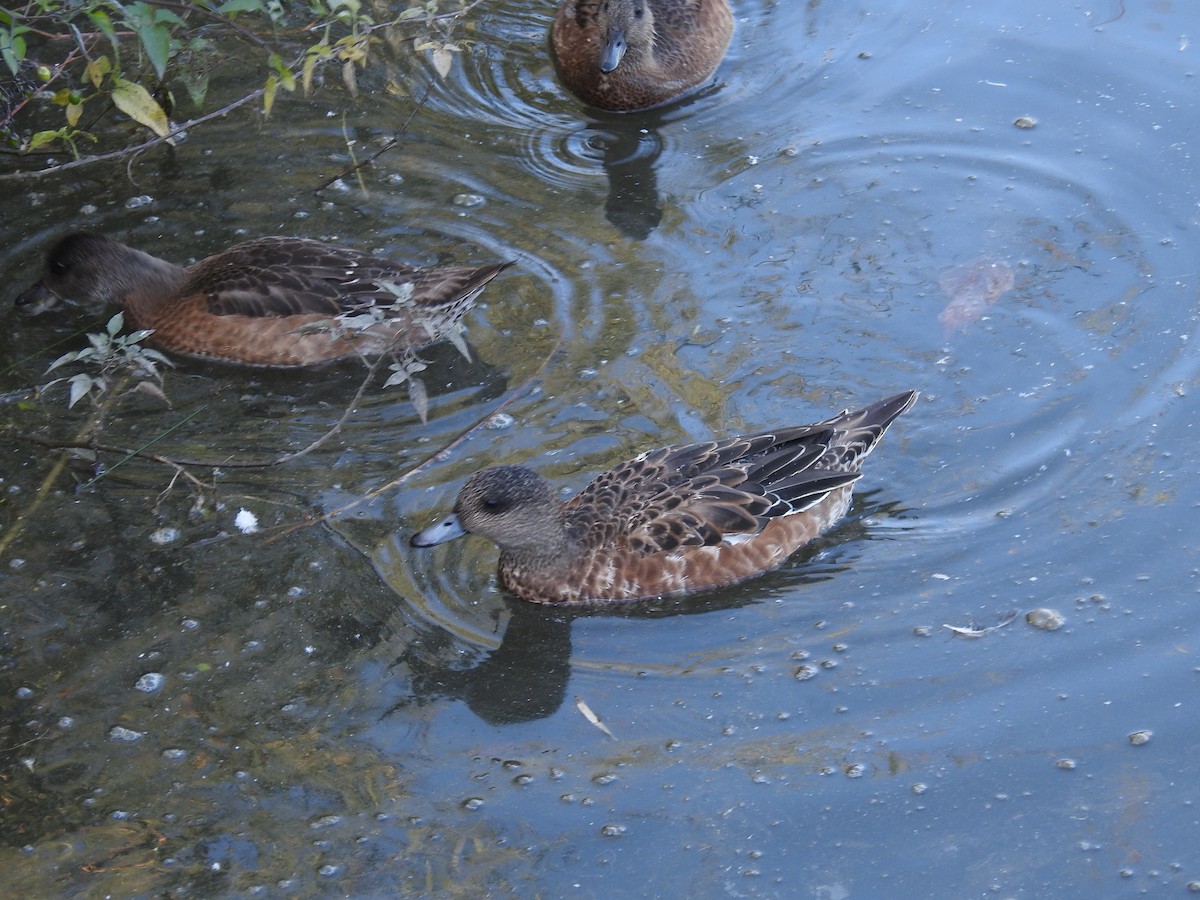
(58, 267)
(493, 504)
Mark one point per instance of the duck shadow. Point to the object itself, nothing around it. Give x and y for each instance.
(526, 677)
(630, 146)
(630, 152)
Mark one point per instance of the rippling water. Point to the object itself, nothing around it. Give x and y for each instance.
(993, 204)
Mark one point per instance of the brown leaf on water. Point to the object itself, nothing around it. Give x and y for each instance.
(972, 288)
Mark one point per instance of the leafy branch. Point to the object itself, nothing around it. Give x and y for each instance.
(111, 355)
(135, 56)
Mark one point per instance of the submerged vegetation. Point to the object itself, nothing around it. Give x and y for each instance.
(67, 68)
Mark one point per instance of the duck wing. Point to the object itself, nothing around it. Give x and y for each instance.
(702, 494)
(277, 277)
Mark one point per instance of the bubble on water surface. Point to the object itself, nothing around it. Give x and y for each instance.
(150, 682)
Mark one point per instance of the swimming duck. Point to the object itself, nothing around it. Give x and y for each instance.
(670, 521)
(272, 301)
(627, 55)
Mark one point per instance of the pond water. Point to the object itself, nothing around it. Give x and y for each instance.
(994, 204)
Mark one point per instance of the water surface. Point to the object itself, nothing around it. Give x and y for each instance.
(858, 205)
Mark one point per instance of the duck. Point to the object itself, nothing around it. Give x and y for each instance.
(681, 519)
(276, 302)
(628, 55)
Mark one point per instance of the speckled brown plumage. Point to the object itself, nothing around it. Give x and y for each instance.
(674, 520)
(273, 301)
(625, 55)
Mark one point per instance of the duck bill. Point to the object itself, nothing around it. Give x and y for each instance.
(446, 530)
(38, 299)
(613, 50)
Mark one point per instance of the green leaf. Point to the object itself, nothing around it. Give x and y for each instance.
(286, 79)
(42, 138)
(115, 324)
(81, 386)
(156, 40)
(311, 58)
(104, 24)
(195, 82)
(62, 361)
(236, 6)
(12, 46)
(135, 101)
(272, 87)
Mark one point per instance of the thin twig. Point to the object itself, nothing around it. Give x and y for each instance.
(526, 387)
(60, 464)
(178, 463)
(125, 151)
(224, 20)
(142, 449)
(392, 142)
(337, 426)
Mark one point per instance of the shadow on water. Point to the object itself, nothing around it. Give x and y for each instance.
(633, 205)
(631, 145)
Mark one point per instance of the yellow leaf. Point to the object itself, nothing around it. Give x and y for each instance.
(135, 101)
(97, 69)
(74, 111)
(269, 94)
(306, 76)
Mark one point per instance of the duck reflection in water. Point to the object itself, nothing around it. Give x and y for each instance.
(630, 153)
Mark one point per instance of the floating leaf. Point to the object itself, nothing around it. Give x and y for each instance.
(135, 101)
